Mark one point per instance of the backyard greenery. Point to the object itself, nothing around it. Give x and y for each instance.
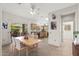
(76, 32)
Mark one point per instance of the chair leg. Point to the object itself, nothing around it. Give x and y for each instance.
(19, 53)
(11, 49)
(26, 51)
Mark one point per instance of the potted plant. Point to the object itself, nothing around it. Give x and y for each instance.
(76, 35)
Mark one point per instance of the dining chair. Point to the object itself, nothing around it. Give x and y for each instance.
(12, 45)
(32, 35)
(17, 45)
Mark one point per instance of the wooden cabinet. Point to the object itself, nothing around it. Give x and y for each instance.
(75, 49)
(43, 34)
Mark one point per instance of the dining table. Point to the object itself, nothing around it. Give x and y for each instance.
(30, 42)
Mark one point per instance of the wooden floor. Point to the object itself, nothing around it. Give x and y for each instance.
(45, 50)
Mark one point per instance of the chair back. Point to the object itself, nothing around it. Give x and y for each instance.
(18, 43)
(13, 40)
(32, 35)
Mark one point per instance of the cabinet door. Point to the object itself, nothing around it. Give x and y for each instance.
(52, 39)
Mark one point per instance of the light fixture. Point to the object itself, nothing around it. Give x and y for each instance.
(31, 13)
(34, 10)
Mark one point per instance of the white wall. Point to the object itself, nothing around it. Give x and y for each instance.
(0, 32)
(10, 18)
(68, 34)
(55, 36)
(78, 19)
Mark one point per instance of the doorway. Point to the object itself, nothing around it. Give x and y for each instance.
(67, 32)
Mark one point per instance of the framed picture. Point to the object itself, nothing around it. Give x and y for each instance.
(53, 25)
(53, 16)
(67, 27)
(5, 25)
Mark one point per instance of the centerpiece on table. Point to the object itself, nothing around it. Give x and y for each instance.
(26, 35)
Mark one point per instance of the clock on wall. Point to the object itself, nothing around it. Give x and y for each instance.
(53, 16)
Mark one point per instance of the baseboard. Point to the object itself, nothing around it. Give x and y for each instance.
(56, 44)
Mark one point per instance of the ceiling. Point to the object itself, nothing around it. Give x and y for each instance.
(23, 9)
